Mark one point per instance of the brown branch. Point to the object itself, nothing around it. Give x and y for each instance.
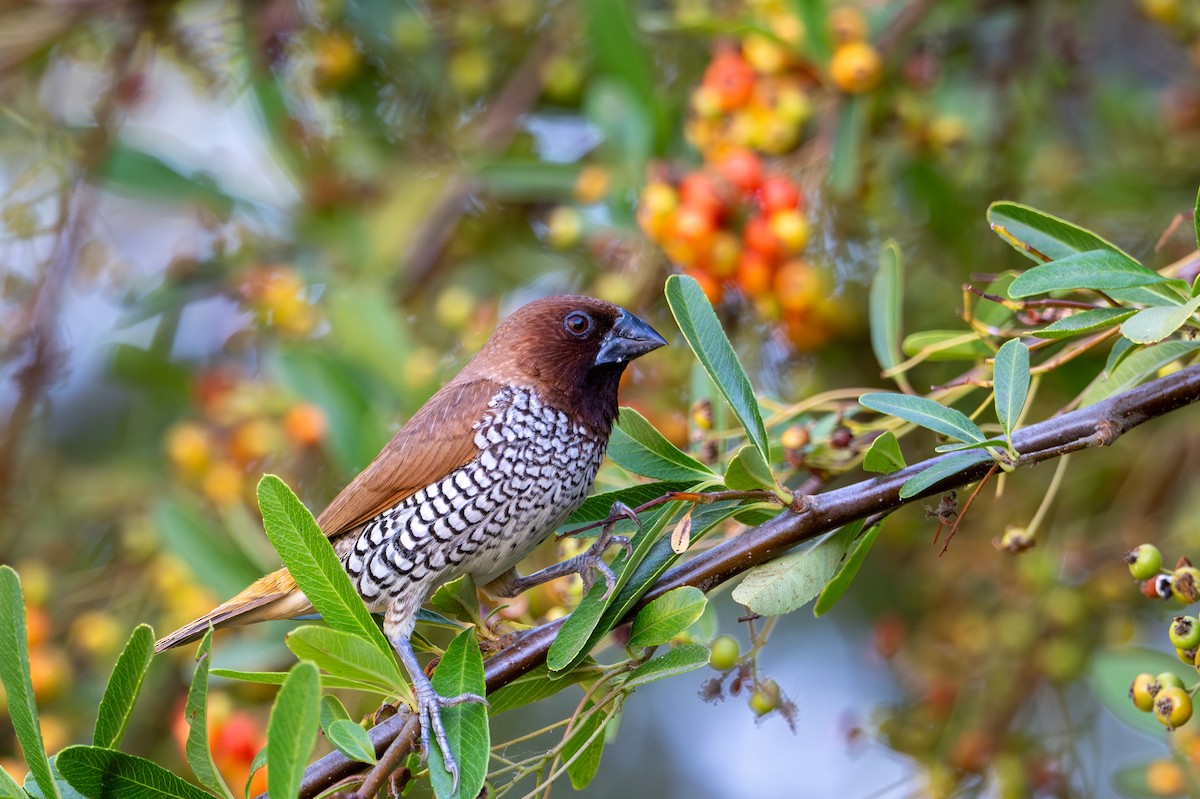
(1097, 425)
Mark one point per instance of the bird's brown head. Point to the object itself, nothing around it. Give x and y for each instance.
(572, 349)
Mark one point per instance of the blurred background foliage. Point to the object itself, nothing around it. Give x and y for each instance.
(238, 238)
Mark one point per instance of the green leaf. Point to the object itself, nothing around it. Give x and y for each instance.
(926, 413)
(531, 687)
(528, 180)
(940, 470)
(351, 740)
(845, 165)
(846, 573)
(988, 443)
(292, 730)
(679, 660)
(790, 582)
(886, 306)
(208, 551)
(259, 761)
(100, 773)
(1151, 325)
(332, 710)
(1010, 383)
(667, 616)
(991, 313)
(884, 455)
(64, 788)
(277, 678)
(1029, 230)
(1111, 672)
(747, 471)
(636, 445)
(1085, 322)
(705, 336)
(1121, 350)
(1135, 368)
(14, 672)
(313, 564)
(461, 671)
(124, 685)
(346, 655)
(10, 788)
(947, 345)
(199, 756)
(138, 173)
(814, 15)
(588, 736)
(617, 48)
(457, 600)
(1095, 269)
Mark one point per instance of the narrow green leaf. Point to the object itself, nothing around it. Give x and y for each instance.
(1138, 366)
(1031, 232)
(351, 740)
(845, 164)
(790, 582)
(926, 413)
(989, 443)
(332, 710)
(259, 761)
(587, 736)
(940, 470)
(679, 660)
(1119, 352)
(636, 445)
(846, 573)
(699, 325)
(617, 48)
(313, 564)
(1085, 322)
(292, 730)
(277, 678)
(1151, 325)
(991, 313)
(531, 687)
(947, 345)
(9, 788)
(667, 616)
(747, 471)
(884, 456)
(195, 539)
(138, 173)
(886, 306)
(14, 672)
(457, 600)
(199, 756)
(348, 656)
(100, 773)
(124, 685)
(1096, 269)
(1010, 383)
(461, 671)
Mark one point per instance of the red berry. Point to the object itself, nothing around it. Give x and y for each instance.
(743, 168)
(731, 79)
(778, 194)
(760, 238)
(699, 190)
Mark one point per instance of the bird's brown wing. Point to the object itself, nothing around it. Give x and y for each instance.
(438, 439)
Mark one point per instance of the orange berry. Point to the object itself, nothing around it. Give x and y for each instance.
(848, 24)
(754, 273)
(710, 285)
(855, 67)
(724, 254)
(692, 225)
(1166, 778)
(592, 184)
(222, 484)
(49, 673)
(759, 237)
(797, 286)
(189, 447)
(741, 167)
(336, 58)
(254, 440)
(656, 203)
(778, 194)
(731, 78)
(38, 625)
(305, 424)
(791, 228)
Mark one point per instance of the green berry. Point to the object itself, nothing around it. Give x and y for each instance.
(1143, 691)
(765, 698)
(1185, 585)
(724, 652)
(1187, 656)
(1173, 707)
(1185, 632)
(1143, 561)
(1169, 679)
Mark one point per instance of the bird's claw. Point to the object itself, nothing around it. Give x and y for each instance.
(592, 560)
(429, 708)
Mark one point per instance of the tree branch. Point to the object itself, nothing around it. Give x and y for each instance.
(1097, 425)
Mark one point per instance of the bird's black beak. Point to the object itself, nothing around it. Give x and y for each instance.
(629, 338)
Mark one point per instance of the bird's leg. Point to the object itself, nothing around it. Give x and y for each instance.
(430, 704)
(585, 564)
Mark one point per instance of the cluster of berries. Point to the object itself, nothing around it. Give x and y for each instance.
(1165, 694)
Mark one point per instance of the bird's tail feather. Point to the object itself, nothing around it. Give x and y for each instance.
(272, 597)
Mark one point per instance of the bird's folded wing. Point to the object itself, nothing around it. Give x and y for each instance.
(438, 439)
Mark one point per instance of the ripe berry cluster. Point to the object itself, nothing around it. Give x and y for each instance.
(1165, 694)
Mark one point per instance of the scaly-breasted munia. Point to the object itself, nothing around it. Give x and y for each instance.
(479, 476)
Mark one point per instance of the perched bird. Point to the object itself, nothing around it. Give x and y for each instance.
(479, 476)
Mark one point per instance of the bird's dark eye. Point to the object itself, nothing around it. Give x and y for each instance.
(578, 324)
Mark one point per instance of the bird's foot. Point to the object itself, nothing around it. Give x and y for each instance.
(592, 561)
(429, 709)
